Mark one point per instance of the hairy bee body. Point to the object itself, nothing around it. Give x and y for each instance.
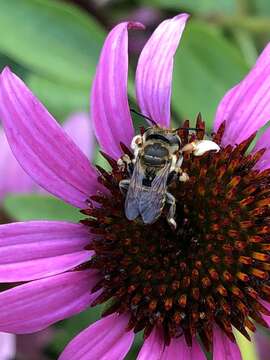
(157, 154)
(158, 157)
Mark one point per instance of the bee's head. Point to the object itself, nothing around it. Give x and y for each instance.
(168, 137)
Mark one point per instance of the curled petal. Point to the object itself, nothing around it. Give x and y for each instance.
(36, 305)
(223, 347)
(105, 339)
(42, 148)
(109, 101)
(37, 249)
(246, 107)
(155, 67)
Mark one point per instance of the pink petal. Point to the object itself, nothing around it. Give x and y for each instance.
(223, 347)
(178, 349)
(109, 101)
(78, 127)
(262, 344)
(153, 346)
(7, 346)
(34, 306)
(225, 105)
(155, 67)
(267, 306)
(13, 178)
(105, 339)
(16, 180)
(263, 143)
(42, 148)
(36, 249)
(246, 107)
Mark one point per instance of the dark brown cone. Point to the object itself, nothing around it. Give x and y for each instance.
(214, 268)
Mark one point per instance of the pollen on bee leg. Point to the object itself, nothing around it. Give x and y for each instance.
(136, 141)
(123, 161)
(202, 146)
(183, 177)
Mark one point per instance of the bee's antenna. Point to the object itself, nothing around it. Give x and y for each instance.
(144, 116)
(185, 128)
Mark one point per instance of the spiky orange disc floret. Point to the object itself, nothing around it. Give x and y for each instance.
(213, 268)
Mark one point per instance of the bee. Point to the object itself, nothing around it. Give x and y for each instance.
(158, 156)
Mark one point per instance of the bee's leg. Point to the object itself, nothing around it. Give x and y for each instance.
(171, 177)
(124, 162)
(170, 200)
(123, 186)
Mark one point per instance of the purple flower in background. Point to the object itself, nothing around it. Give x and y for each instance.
(7, 346)
(200, 281)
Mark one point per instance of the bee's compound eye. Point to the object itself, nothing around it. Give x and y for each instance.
(136, 141)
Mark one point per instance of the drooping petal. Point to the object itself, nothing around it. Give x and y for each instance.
(105, 339)
(223, 347)
(13, 178)
(109, 100)
(79, 128)
(178, 349)
(16, 180)
(155, 67)
(36, 305)
(7, 346)
(153, 346)
(246, 107)
(263, 143)
(36, 249)
(42, 148)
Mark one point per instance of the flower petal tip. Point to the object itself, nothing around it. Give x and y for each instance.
(6, 71)
(135, 25)
(182, 16)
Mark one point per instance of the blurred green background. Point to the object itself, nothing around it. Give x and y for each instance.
(54, 46)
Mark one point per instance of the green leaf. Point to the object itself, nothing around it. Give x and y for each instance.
(59, 98)
(206, 66)
(137, 343)
(262, 7)
(196, 6)
(247, 348)
(52, 38)
(39, 207)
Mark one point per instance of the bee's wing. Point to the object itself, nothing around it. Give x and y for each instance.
(152, 200)
(134, 192)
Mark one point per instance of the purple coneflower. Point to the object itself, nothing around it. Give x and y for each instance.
(196, 283)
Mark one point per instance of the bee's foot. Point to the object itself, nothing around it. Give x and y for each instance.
(172, 223)
(121, 165)
(184, 177)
